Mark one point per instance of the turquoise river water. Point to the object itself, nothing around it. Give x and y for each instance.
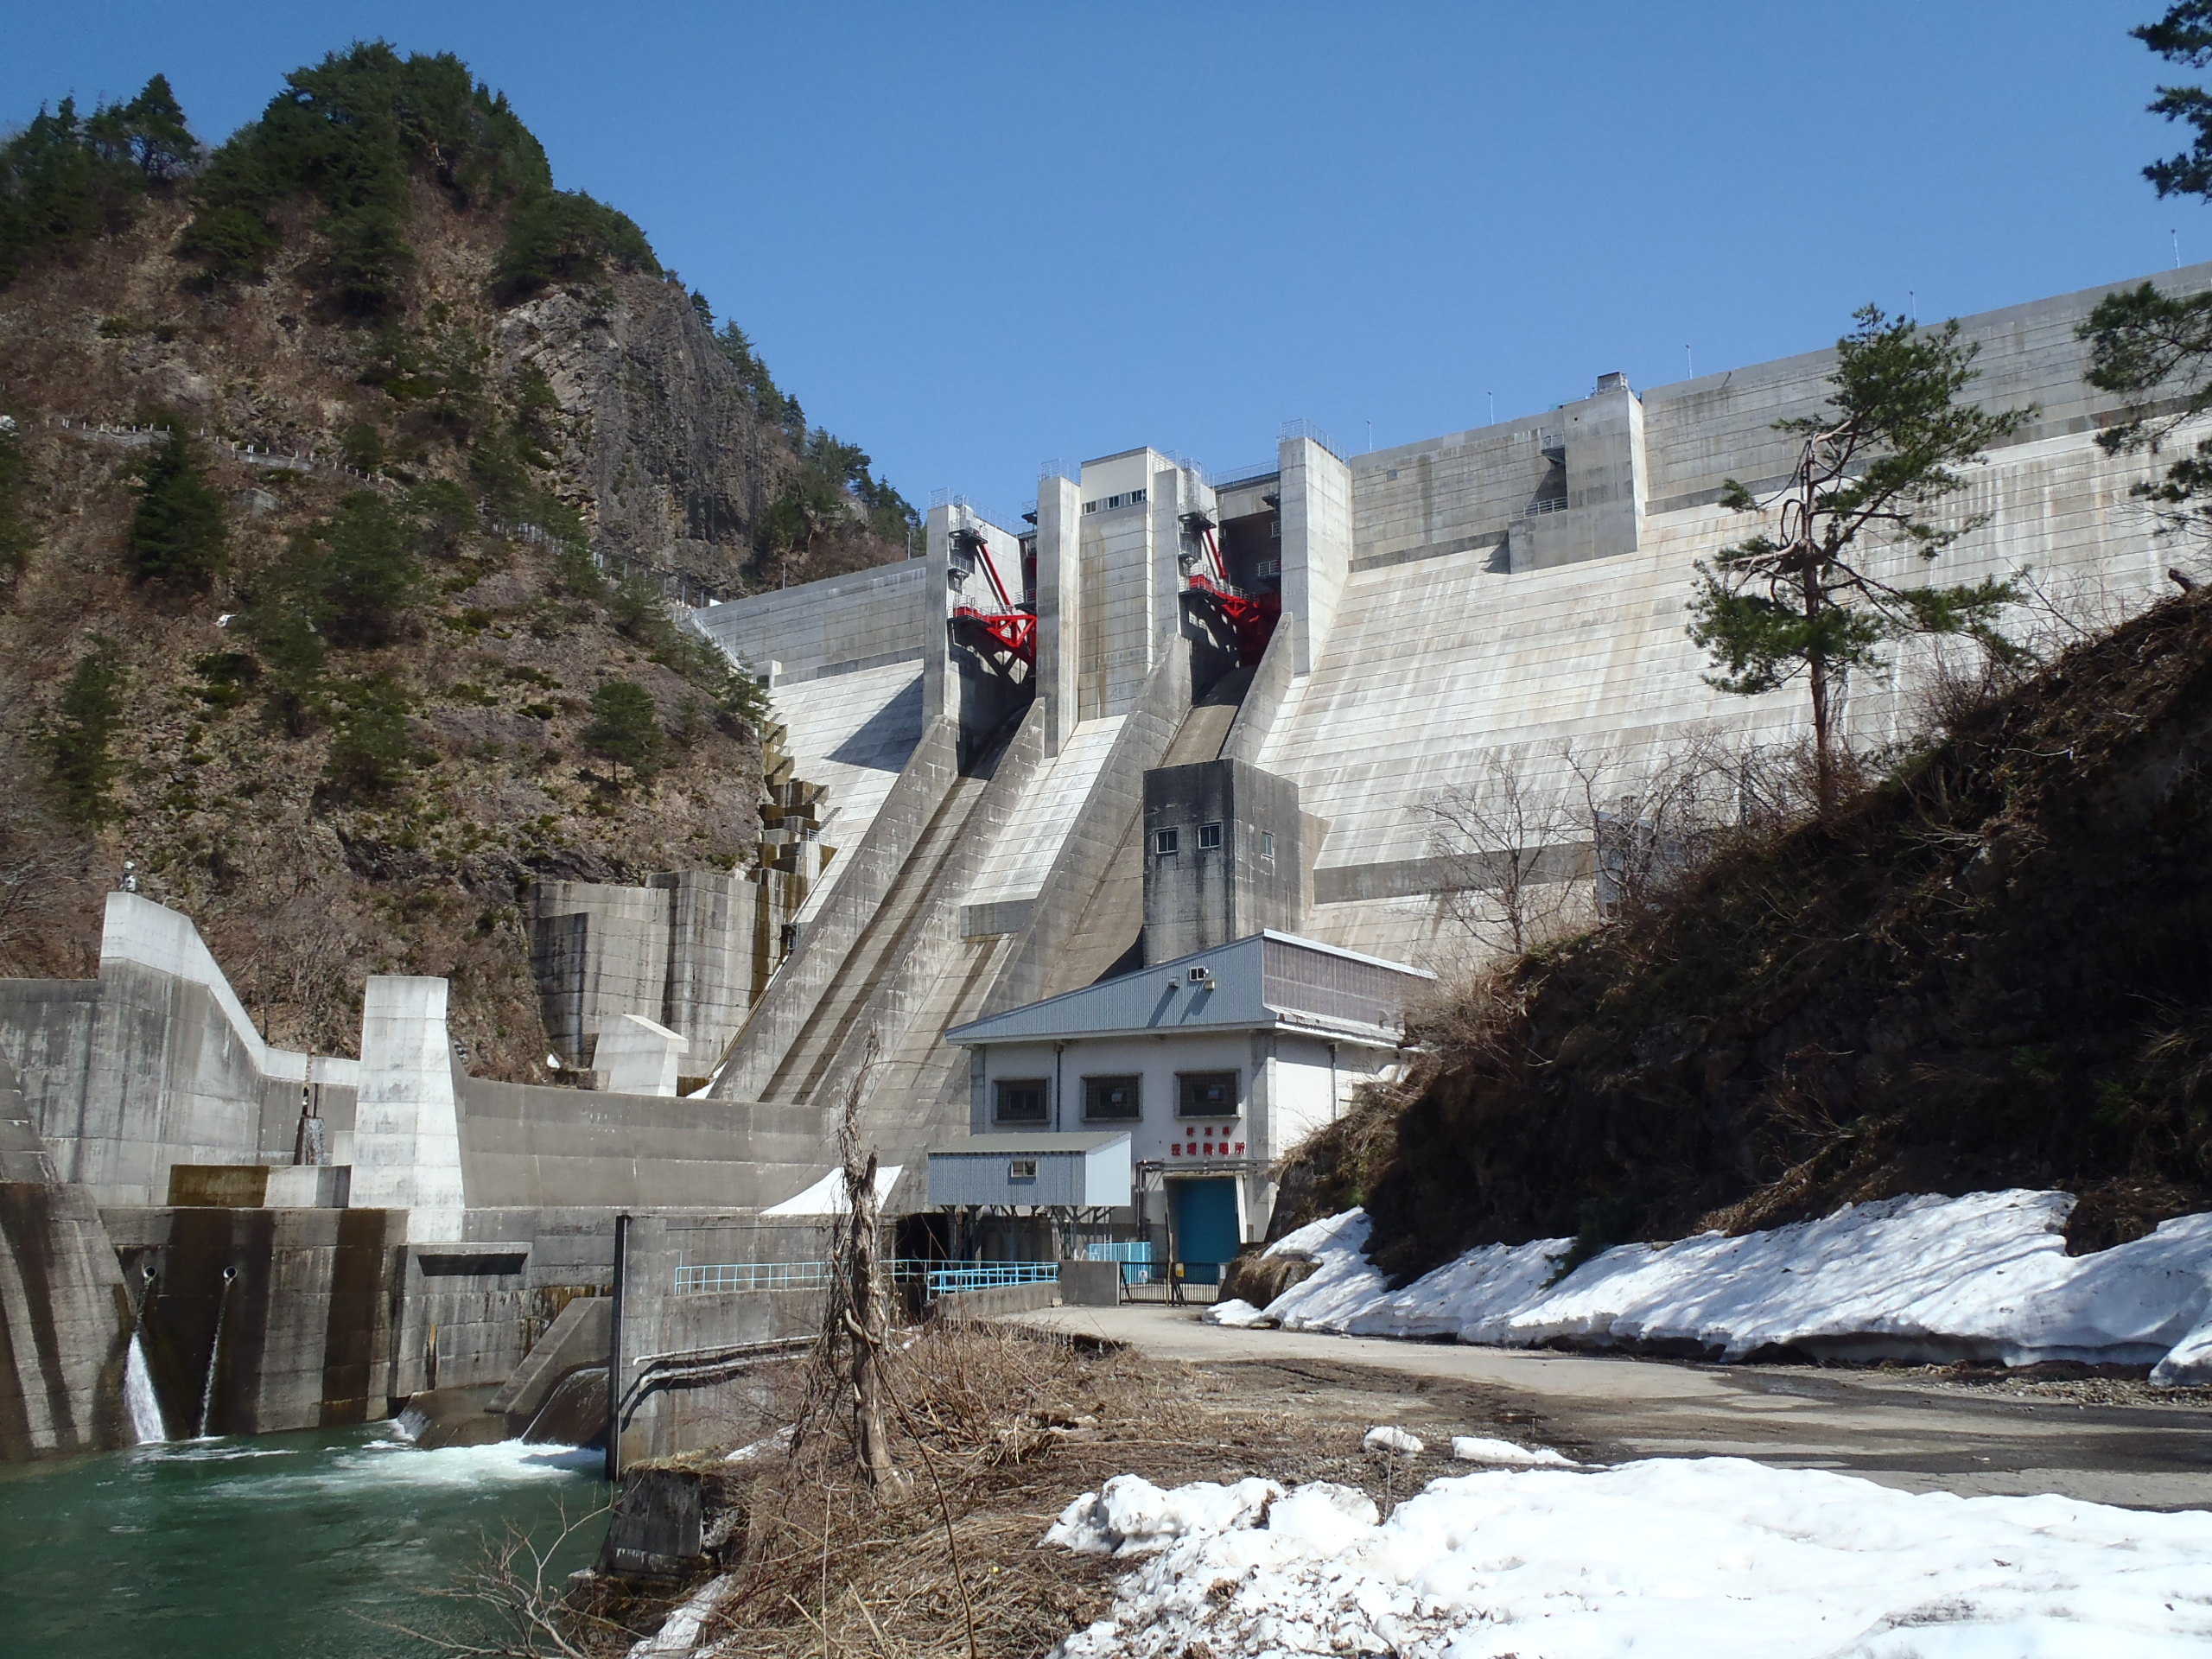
(309, 1546)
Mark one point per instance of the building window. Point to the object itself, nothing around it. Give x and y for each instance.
(1106, 1099)
(1209, 837)
(1165, 842)
(1267, 843)
(1021, 1100)
(1206, 1094)
(1110, 502)
(1021, 1169)
(1268, 568)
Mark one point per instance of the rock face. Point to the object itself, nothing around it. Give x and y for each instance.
(674, 458)
(494, 663)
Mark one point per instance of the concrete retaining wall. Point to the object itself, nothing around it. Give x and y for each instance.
(64, 1325)
(819, 629)
(690, 1370)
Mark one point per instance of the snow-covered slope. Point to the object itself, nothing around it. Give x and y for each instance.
(1662, 1560)
(1986, 1276)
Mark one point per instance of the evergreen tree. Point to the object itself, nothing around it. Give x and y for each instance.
(566, 236)
(79, 735)
(2155, 348)
(60, 186)
(372, 748)
(1801, 598)
(148, 133)
(15, 524)
(368, 572)
(176, 534)
(351, 133)
(626, 726)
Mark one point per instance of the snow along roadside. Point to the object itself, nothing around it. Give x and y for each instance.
(1670, 1558)
(1983, 1277)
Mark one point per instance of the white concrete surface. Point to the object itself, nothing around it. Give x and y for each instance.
(638, 1056)
(406, 1131)
(1033, 835)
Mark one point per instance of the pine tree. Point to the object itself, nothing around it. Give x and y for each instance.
(79, 735)
(1801, 599)
(177, 533)
(15, 525)
(626, 726)
(148, 133)
(2155, 348)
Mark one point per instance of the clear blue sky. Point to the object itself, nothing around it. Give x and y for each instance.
(974, 237)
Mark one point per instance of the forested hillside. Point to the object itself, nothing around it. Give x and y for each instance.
(1985, 971)
(352, 472)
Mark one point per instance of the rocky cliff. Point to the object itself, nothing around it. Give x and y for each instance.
(344, 588)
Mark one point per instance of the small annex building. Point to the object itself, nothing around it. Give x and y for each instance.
(1215, 1064)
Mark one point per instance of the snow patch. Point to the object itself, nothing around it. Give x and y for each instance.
(1985, 1277)
(1474, 1449)
(1670, 1558)
(1382, 1438)
(1237, 1313)
(1129, 1516)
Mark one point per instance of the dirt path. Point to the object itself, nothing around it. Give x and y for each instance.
(1920, 1433)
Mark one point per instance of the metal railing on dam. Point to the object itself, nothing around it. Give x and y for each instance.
(937, 1277)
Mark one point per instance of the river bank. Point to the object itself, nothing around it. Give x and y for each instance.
(306, 1546)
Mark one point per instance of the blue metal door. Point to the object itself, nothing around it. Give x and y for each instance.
(1206, 1226)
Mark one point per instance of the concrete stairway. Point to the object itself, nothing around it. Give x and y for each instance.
(879, 945)
(1106, 940)
(1109, 938)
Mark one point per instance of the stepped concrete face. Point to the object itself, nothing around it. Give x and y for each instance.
(1511, 595)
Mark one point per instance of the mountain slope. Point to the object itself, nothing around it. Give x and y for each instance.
(384, 631)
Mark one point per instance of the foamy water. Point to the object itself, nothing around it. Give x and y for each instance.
(285, 1546)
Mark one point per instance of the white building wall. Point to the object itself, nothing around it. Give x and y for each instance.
(1295, 1079)
(1302, 1090)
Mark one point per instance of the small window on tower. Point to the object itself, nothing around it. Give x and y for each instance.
(1165, 842)
(1267, 843)
(1209, 837)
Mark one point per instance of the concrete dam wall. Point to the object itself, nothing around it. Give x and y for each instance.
(1510, 595)
(1166, 709)
(294, 1241)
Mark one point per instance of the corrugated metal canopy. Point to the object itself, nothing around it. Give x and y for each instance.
(1267, 982)
(1030, 1172)
(1041, 1141)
